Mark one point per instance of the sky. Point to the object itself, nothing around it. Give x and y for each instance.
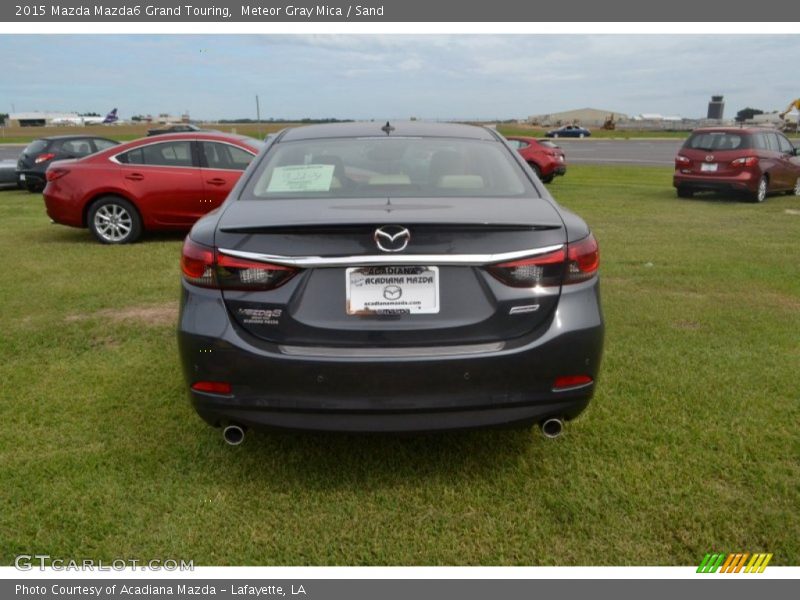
(396, 76)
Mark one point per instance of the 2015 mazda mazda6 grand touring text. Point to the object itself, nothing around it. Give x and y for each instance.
(405, 277)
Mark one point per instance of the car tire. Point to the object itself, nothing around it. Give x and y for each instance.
(114, 220)
(580, 135)
(536, 170)
(555, 135)
(761, 191)
(684, 192)
(796, 190)
(33, 188)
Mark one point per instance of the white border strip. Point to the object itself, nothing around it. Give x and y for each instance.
(370, 28)
(310, 573)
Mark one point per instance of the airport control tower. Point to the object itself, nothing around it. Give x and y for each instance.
(716, 107)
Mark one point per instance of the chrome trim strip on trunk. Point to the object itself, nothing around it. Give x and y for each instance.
(422, 352)
(393, 259)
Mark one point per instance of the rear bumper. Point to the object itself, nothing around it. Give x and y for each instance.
(745, 181)
(401, 394)
(32, 177)
(61, 207)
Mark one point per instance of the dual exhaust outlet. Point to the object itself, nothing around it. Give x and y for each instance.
(234, 434)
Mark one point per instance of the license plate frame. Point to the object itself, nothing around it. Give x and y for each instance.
(392, 290)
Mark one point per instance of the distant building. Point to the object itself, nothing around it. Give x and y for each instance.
(41, 119)
(588, 117)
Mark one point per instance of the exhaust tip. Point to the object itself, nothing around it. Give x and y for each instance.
(233, 435)
(552, 428)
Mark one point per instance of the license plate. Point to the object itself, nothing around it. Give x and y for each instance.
(392, 290)
(22, 176)
(708, 167)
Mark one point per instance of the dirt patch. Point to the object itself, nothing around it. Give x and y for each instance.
(154, 315)
(791, 211)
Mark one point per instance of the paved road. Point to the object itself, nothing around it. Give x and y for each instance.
(622, 152)
(10, 151)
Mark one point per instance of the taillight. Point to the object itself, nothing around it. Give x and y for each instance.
(583, 260)
(44, 157)
(53, 174)
(197, 263)
(682, 161)
(545, 270)
(745, 161)
(238, 274)
(579, 263)
(203, 267)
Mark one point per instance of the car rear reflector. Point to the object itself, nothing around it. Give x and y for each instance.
(571, 381)
(212, 387)
(204, 267)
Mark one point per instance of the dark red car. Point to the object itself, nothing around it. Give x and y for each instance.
(755, 161)
(544, 157)
(167, 182)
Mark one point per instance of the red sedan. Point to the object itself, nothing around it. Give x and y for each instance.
(150, 184)
(543, 156)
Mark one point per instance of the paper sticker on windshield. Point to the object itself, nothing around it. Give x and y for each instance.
(301, 178)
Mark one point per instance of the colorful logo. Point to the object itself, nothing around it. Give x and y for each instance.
(734, 563)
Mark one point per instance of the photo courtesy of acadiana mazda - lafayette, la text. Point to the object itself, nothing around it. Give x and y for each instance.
(389, 278)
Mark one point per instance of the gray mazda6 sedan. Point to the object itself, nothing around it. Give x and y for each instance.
(389, 278)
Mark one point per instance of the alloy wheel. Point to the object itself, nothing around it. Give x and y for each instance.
(113, 222)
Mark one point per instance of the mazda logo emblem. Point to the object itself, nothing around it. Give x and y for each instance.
(709, 158)
(392, 238)
(392, 292)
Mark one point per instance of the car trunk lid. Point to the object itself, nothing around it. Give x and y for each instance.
(347, 291)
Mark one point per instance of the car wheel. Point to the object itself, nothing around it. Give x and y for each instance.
(684, 192)
(547, 179)
(761, 191)
(114, 220)
(33, 188)
(580, 135)
(555, 135)
(796, 190)
(536, 170)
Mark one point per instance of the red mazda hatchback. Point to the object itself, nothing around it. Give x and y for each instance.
(544, 157)
(755, 161)
(150, 184)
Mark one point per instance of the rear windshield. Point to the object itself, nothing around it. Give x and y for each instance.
(35, 147)
(398, 167)
(717, 140)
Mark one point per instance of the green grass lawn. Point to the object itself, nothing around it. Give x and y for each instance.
(691, 444)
